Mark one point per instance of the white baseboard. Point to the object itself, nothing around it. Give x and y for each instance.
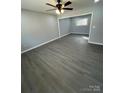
(95, 43)
(64, 35)
(79, 33)
(43, 43)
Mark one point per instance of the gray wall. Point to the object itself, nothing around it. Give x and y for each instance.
(80, 29)
(96, 34)
(37, 28)
(64, 26)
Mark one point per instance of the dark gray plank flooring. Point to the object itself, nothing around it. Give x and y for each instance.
(67, 65)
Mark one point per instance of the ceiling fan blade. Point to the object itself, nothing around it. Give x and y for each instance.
(67, 3)
(68, 8)
(50, 9)
(50, 4)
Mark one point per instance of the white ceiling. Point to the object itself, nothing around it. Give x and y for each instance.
(40, 5)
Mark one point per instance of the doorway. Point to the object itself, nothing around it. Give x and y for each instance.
(76, 25)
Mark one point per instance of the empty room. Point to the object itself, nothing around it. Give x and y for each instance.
(61, 46)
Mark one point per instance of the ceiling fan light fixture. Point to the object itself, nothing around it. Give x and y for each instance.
(62, 11)
(57, 11)
(60, 6)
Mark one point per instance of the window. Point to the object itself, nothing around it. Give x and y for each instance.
(82, 22)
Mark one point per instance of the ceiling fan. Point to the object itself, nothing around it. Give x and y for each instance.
(60, 7)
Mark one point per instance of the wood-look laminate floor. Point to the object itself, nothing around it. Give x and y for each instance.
(67, 65)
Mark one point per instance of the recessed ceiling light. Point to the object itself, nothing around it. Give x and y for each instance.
(96, 1)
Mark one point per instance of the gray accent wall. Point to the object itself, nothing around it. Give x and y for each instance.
(65, 25)
(80, 29)
(37, 28)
